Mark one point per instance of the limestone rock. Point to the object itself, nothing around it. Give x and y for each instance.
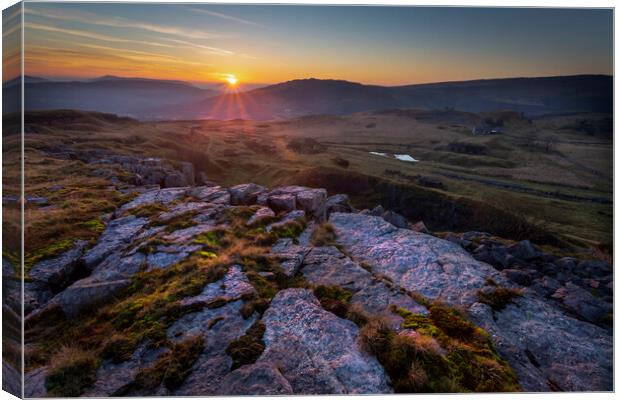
(260, 215)
(283, 202)
(87, 292)
(117, 236)
(312, 202)
(315, 351)
(58, 272)
(338, 203)
(245, 194)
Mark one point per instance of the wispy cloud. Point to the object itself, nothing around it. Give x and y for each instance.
(210, 49)
(89, 34)
(226, 17)
(119, 22)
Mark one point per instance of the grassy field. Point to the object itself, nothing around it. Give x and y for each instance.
(548, 171)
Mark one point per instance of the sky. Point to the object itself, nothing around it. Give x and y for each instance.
(270, 44)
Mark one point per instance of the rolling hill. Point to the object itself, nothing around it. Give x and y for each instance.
(149, 99)
(136, 97)
(533, 96)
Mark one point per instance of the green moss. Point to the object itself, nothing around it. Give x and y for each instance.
(95, 224)
(498, 297)
(50, 251)
(247, 348)
(212, 239)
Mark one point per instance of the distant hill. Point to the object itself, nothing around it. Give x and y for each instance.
(135, 97)
(162, 99)
(532, 96)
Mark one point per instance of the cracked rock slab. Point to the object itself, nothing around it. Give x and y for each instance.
(315, 351)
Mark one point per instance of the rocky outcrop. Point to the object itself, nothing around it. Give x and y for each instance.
(264, 295)
(533, 334)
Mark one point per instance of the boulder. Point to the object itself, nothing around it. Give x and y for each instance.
(245, 194)
(377, 211)
(593, 269)
(583, 303)
(315, 351)
(60, 271)
(519, 277)
(338, 203)
(497, 256)
(261, 214)
(312, 202)
(524, 250)
(86, 293)
(117, 236)
(211, 194)
(291, 256)
(420, 226)
(187, 169)
(395, 219)
(283, 202)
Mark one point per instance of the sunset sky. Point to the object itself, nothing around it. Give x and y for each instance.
(268, 44)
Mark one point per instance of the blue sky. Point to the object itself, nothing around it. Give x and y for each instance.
(268, 44)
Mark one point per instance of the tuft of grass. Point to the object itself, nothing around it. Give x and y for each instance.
(182, 221)
(71, 370)
(146, 210)
(498, 297)
(171, 369)
(334, 299)
(324, 235)
(441, 352)
(247, 348)
(50, 251)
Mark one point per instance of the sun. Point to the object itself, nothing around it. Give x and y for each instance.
(232, 80)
